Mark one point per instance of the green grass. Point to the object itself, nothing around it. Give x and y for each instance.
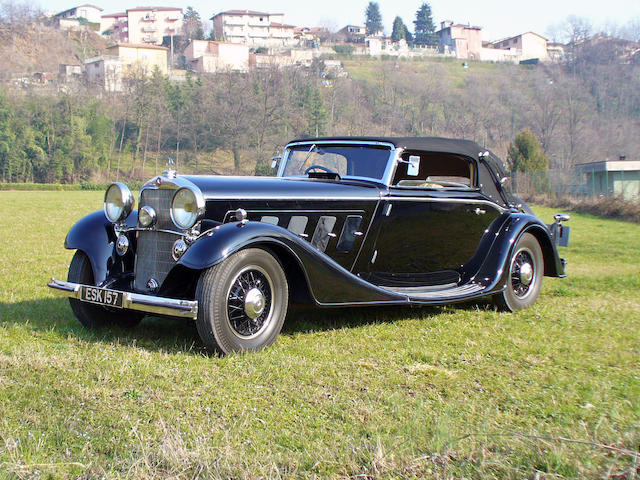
(454, 392)
(366, 69)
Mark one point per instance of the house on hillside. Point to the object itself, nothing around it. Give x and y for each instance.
(90, 13)
(142, 25)
(206, 56)
(462, 41)
(612, 177)
(352, 34)
(260, 29)
(528, 45)
(121, 61)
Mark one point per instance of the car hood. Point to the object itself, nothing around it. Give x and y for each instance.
(275, 188)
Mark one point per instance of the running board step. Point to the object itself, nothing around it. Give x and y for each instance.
(428, 294)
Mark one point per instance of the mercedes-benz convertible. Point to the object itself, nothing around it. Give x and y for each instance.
(345, 222)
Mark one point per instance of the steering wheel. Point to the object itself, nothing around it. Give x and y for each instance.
(318, 167)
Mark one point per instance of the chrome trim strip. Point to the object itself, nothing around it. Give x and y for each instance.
(446, 200)
(150, 229)
(135, 301)
(261, 196)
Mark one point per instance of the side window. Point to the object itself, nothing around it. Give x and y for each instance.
(323, 232)
(436, 170)
(298, 225)
(349, 233)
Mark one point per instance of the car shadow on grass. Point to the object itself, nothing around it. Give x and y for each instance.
(53, 316)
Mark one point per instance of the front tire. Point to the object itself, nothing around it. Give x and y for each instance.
(95, 316)
(526, 269)
(242, 302)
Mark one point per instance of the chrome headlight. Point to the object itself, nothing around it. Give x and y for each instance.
(187, 207)
(118, 202)
(147, 216)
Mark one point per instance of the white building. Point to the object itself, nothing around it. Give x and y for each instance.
(528, 46)
(205, 56)
(142, 24)
(91, 13)
(253, 28)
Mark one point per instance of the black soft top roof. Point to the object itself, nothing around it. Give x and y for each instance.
(429, 144)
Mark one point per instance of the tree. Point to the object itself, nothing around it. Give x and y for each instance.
(408, 35)
(425, 31)
(526, 154)
(192, 25)
(373, 19)
(399, 31)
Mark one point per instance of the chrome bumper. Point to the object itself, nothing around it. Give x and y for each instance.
(135, 301)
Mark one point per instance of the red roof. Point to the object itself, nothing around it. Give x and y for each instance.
(281, 25)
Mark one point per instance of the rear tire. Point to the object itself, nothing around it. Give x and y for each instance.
(242, 302)
(95, 316)
(524, 281)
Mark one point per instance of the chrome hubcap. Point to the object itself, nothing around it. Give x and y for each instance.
(249, 302)
(523, 272)
(526, 273)
(254, 303)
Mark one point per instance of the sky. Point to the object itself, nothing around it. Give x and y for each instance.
(498, 18)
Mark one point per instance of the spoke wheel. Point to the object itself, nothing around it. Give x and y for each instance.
(249, 301)
(524, 281)
(523, 272)
(242, 302)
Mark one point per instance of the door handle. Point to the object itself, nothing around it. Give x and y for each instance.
(479, 211)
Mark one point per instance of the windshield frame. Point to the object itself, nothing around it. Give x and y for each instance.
(386, 176)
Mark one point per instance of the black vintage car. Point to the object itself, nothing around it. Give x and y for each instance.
(347, 221)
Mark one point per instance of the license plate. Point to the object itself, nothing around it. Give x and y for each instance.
(102, 296)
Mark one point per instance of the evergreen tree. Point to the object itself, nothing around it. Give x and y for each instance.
(408, 35)
(526, 154)
(399, 31)
(373, 19)
(425, 31)
(192, 25)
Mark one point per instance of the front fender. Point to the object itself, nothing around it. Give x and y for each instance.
(329, 283)
(493, 270)
(94, 235)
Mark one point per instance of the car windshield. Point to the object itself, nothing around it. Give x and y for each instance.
(368, 161)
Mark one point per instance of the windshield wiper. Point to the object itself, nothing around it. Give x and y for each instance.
(311, 150)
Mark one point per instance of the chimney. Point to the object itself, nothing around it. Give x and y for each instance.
(623, 158)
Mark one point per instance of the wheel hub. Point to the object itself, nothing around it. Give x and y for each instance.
(254, 303)
(249, 301)
(526, 273)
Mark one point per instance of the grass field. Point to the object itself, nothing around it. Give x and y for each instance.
(455, 392)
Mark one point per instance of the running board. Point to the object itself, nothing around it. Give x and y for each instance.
(440, 295)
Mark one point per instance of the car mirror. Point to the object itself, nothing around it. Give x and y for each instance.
(275, 160)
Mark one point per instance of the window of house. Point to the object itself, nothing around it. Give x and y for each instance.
(435, 170)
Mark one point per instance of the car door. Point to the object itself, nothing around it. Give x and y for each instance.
(426, 234)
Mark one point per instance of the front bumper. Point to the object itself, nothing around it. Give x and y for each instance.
(135, 301)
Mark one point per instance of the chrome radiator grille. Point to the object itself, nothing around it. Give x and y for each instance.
(153, 255)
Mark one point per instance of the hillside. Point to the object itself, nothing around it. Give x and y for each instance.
(32, 47)
(586, 109)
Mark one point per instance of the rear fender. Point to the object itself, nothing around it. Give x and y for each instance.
(94, 235)
(492, 273)
(328, 282)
